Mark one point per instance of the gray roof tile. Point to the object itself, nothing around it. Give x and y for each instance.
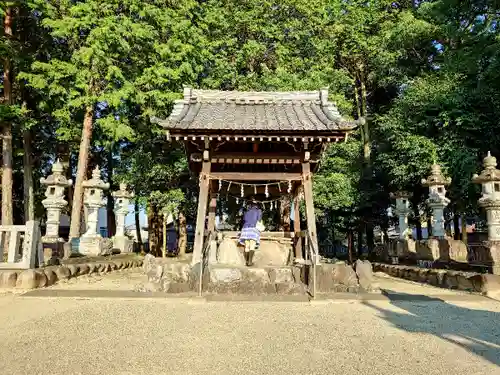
(235, 111)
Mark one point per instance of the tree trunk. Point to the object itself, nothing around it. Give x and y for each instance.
(159, 232)
(456, 226)
(182, 234)
(29, 189)
(370, 243)
(110, 206)
(418, 224)
(164, 232)
(464, 229)
(81, 173)
(64, 155)
(155, 230)
(364, 109)
(350, 245)
(151, 232)
(138, 227)
(360, 242)
(7, 210)
(358, 103)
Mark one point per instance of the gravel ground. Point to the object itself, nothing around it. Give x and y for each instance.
(46, 335)
(180, 336)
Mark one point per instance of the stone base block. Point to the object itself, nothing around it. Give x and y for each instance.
(123, 243)
(364, 271)
(330, 276)
(444, 250)
(228, 253)
(291, 288)
(95, 246)
(53, 252)
(272, 253)
(281, 275)
(428, 250)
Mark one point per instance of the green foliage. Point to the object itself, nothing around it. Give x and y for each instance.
(449, 114)
(426, 74)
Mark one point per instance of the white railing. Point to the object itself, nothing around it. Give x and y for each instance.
(23, 243)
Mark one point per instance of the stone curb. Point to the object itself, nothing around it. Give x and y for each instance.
(485, 284)
(47, 276)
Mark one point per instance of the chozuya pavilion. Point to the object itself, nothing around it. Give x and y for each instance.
(244, 144)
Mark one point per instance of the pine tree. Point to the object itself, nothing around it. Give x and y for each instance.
(108, 46)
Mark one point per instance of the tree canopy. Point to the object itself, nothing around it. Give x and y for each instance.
(82, 78)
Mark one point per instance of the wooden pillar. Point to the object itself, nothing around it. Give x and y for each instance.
(308, 197)
(296, 226)
(202, 211)
(212, 209)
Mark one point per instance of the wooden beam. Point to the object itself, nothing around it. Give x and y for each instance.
(323, 137)
(212, 208)
(296, 227)
(308, 197)
(202, 211)
(251, 176)
(259, 158)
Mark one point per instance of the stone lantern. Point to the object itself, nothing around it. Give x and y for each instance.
(490, 201)
(490, 198)
(91, 242)
(402, 211)
(122, 201)
(437, 201)
(54, 203)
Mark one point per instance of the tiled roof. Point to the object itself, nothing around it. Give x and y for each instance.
(284, 112)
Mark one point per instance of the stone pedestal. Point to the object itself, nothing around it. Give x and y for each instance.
(91, 242)
(94, 245)
(53, 251)
(493, 220)
(406, 249)
(402, 211)
(437, 205)
(123, 243)
(54, 203)
(494, 256)
(428, 250)
(122, 201)
(437, 200)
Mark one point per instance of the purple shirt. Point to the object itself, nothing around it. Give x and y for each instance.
(252, 217)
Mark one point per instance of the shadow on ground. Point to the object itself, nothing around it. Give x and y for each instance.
(477, 331)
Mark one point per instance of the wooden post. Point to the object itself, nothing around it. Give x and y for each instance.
(202, 211)
(308, 196)
(349, 245)
(296, 227)
(164, 247)
(212, 209)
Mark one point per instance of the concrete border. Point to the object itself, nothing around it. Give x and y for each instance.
(324, 298)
